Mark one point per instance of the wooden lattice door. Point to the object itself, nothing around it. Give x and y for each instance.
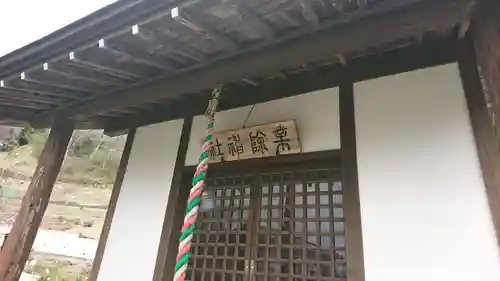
(221, 248)
(286, 224)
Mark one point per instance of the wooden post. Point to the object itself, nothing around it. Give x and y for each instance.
(485, 35)
(117, 186)
(479, 60)
(487, 143)
(18, 245)
(349, 171)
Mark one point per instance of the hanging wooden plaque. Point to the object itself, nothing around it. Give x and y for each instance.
(268, 140)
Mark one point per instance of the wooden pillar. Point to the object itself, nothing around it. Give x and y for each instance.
(117, 186)
(479, 62)
(174, 215)
(18, 246)
(485, 35)
(349, 171)
(487, 143)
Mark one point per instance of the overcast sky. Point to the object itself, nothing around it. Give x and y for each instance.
(24, 21)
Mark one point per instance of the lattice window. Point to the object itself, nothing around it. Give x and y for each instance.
(220, 251)
(301, 227)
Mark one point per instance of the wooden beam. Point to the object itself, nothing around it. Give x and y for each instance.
(117, 186)
(176, 204)
(477, 50)
(21, 85)
(26, 77)
(349, 172)
(327, 42)
(25, 96)
(24, 104)
(8, 112)
(485, 28)
(378, 65)
(18, 245)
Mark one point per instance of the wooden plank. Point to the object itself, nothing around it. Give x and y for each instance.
(368, 67)
(275, 139)
(349, 171)
(117, 186)
(167, 251)
(22, 235)
(327, 42)
(482, 127)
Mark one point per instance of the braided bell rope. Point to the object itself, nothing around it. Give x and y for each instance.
(194, 199)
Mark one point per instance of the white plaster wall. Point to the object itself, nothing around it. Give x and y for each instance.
(423, 205)
(316, 115)
(134, 236)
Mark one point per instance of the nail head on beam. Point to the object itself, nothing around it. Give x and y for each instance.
(175, 13)
(135, 29)
(101, 43)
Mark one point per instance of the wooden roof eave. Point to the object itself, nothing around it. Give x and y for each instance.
(109, 19)
(327, 42)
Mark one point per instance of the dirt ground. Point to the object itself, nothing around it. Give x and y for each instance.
(65, 214)
(78, 202)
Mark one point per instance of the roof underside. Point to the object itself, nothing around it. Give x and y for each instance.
(104, 69)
